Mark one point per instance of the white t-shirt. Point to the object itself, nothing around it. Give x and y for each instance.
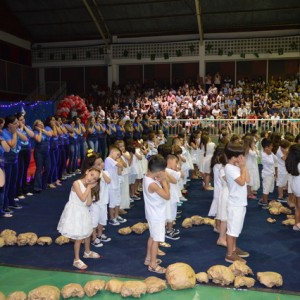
(268, 161)
(174, 186)
(110, 165)
(104, 195)
(281, 162)
(237, 193)
(155, 206)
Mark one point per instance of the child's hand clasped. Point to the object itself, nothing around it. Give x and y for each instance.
(241, 161)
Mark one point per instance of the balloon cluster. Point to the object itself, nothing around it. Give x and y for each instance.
(68, 103)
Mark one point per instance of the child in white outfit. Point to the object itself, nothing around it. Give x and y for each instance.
(293, 168)
(156, 190)
(75, 221)
(114, 167)
(237, 178)
(173, 176)
(98, 208)
(282, 178)
(269, 171)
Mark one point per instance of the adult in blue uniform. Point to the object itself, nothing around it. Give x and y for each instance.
(42, 137)
(3, 148)
(24, 156)
(12, 136)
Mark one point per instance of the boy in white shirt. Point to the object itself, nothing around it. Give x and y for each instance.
(269, 171)
(156, 190)
(237, 177)
(114, 168)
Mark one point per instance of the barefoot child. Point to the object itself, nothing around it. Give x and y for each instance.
(75, 221)
(156, 190)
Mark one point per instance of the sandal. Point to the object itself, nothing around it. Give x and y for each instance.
(158, 269)
(296, 227)
(91, 254)
(79, 264)
(160, 252)
(164, 244)
(147, 261)
(221, 244)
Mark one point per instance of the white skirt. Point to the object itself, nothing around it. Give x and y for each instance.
(75, 222)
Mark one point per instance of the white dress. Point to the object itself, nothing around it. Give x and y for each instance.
(296, 183)
(210, 149)
(76, 221)
(195, 153)
(252, 167)
(124, 182)
(137, 165)
(223, 197)
(217, 189)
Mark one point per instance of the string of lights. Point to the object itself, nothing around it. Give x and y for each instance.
(27, 104)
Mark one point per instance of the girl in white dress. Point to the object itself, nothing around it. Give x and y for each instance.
(216, 167)
(292, 164)
(195, 152)
(124, 178)
(251, 154)
(208, 148)
(75, 221)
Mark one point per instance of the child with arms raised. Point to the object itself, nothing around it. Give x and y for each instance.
(173, 175)
(156, 190)
(292, 163)
(114, 167)
(237, 178)
(98, 209)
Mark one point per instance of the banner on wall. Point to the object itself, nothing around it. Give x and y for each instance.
(33, 110)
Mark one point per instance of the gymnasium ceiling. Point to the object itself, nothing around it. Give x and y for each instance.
(74, 20)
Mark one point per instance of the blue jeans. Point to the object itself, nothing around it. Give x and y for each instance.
(102, 145)
(42, 161)
(23, 164)
(81, 152)
(11, 172)
(1, 201)
(73, 157)
(54, 153)
(61, 163)
(93, 144)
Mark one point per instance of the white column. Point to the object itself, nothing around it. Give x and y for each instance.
(109, 76)
(112, 74)
(143, 73)
(42, 83)
(235, 63)
(202, 66)
(267, 71)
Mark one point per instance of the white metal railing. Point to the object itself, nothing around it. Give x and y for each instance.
(238, 126)
(152, 50)
(254, 45)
